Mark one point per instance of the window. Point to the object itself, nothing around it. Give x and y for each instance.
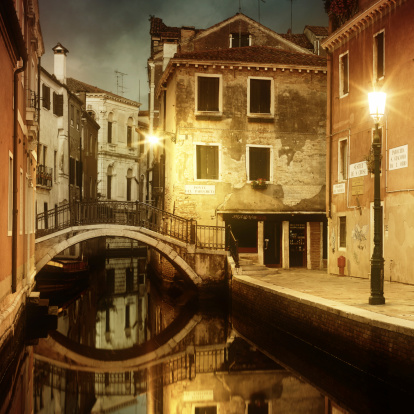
(259, 162)
(208, 94)
(379, 55)
(343, 74)
(109, 132)
(79, 173)
(46, 96)
(10, 196)
(129, 185)
(205, 410)
(109, 183)
(57, 104)
(260, 96)
(343, 160)
(129, 136)
(240, 40)
(72, 170)
(72, 115)
(342, 232)
(127, 317)
(77, 119)
(207, 160)
(55, 166)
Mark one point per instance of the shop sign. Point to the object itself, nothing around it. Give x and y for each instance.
(248, 217)
(398, 157)
(202, 395)
(358, 169)
(200, 189)
(339, 188)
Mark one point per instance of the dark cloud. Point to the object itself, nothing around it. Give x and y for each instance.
(107, 35)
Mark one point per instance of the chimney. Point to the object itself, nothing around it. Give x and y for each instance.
(60, 62)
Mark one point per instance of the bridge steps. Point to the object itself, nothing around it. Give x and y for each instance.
(248, 267)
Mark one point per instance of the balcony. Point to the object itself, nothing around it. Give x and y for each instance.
(44, 176)
(32, 107)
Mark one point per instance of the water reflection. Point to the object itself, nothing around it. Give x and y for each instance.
(129, 344)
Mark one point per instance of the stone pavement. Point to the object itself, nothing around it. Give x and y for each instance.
(349, 292)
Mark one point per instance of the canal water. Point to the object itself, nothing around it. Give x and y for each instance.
(128, 342)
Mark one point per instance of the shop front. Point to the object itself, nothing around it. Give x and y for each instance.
(281, 240)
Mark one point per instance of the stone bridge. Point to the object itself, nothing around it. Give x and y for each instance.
(197, 251)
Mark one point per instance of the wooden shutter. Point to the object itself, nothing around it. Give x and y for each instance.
(208, 94)
(259, 163)
(260, 96)
(207, 162)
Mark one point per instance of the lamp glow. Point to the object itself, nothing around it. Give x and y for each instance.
(377, 104)
(152, 139)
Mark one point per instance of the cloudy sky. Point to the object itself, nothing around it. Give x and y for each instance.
(104, 36)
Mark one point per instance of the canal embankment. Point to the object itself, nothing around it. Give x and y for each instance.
(332, 314)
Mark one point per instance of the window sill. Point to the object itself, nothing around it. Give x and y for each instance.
(268, 118)
(209, 116)
(344, 95)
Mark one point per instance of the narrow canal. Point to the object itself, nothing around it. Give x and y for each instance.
(128, 343)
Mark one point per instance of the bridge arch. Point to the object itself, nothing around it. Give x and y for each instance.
(51, 245)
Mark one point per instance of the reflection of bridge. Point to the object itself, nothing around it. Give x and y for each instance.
(65, 365)
(171, 235)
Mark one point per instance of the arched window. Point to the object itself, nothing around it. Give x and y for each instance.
(129, 184)
(109, 183)
(110, 121)
(130, 132)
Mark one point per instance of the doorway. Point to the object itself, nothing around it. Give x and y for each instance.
(297, 245)
(272, 243)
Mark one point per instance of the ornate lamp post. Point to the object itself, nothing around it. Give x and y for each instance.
(376, 110)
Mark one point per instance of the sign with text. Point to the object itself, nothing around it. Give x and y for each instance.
(358, 169)
(200, 189)
(202, 395)
(398, 157)
(339, 188)
(357, 186)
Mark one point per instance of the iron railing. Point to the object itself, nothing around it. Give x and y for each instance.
(44, 176)
(232, 245)
(130, 213)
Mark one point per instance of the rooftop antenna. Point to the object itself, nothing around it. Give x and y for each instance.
(120, 83)
(291, 16)
(258, 4)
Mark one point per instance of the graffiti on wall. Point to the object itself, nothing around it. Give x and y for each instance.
(359, 235)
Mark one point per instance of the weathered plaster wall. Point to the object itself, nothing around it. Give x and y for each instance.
(296, 135)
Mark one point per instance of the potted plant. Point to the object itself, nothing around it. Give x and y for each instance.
(259, 184)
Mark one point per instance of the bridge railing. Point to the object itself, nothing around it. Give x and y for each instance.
(130, 213)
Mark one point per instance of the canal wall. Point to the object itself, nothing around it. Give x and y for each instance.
(382, 347)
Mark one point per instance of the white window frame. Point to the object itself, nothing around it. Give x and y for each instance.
(375, 56)
(272, 98)
(220, 97)
(248, 146)
(341, 159)
(10, 196)
(196, 144)
(342, 94)
(341, 248)
(231, 40)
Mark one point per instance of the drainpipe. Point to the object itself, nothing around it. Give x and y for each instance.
(329, 132)
(16, 169)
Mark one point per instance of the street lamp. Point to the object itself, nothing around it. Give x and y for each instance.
(376, 110)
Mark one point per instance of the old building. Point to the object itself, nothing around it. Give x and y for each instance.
(21, 46)
(370, 48)
(118, 140)
(242, 125)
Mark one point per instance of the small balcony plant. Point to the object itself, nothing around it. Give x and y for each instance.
(259, 184)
